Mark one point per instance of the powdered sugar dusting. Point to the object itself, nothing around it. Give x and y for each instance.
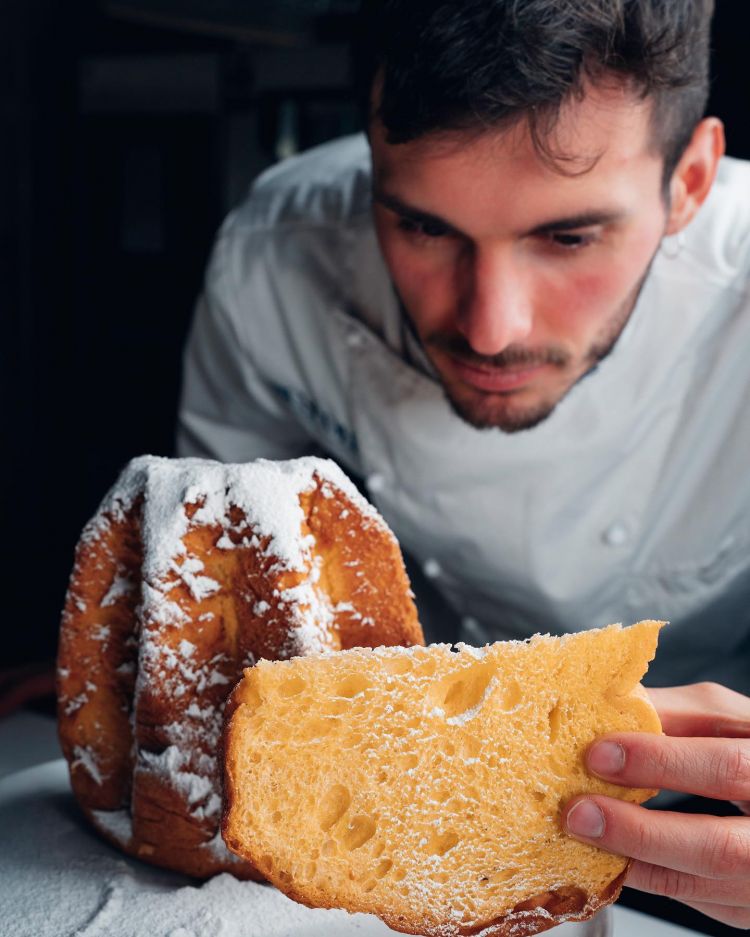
(84, 757)
(116, 823)
(268, 495)
(121, 586)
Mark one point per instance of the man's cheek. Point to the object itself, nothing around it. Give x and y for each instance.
(426, 289)
(596, 294)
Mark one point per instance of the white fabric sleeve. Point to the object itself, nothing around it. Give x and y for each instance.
(227, 410)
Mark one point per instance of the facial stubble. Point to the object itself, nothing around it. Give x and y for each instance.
(506, 411)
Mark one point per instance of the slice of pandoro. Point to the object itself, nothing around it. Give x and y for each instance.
(424, 785)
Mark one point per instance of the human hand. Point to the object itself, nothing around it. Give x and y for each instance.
(702, 861)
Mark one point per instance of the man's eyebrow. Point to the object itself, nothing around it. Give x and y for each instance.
(585, 219)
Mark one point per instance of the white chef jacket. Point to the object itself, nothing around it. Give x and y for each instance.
(632, 500)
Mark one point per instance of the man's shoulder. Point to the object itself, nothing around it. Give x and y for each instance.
(734, 171)
(327, 186)
(719, 238)
(303, 244)
(731, 194)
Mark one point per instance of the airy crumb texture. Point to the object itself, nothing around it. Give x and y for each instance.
(424, 785)
(190, 571)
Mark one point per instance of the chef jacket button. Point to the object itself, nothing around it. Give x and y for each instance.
(431, 568)
(471, 628)
(354, 340)
(376, 482)
(616, 534)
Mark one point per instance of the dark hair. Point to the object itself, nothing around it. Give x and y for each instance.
(476, 64)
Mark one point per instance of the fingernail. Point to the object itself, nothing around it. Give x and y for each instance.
(606, 759)
(585, 819)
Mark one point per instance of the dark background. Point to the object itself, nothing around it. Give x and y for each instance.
(128, 129)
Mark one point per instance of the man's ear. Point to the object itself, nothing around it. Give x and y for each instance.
(695, 173)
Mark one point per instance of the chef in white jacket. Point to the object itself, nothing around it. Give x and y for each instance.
(527, 331)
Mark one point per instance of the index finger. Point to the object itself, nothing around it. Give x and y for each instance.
(709, 767)
(702, 709)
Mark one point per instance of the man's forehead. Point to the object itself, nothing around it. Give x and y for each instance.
(608, 122)
(497, 183)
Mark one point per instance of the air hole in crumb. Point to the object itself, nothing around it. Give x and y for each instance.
(250, 697)
(310, 870)
(408, 762)
(554, 718)
(539, 795)
(333, 806)
(276, 816)
(352, 685)
(383, 868)
(397, 665)
(399, 875)
(368, 886)
(360, 829)
(292, 687)
(440, 843)
(461, 692)
(328, 849)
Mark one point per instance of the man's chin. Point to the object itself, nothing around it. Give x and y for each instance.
(508, 413)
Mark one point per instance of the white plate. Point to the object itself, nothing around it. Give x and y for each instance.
(58, 879)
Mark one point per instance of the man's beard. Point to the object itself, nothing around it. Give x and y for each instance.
(498, 409)
(503, 410)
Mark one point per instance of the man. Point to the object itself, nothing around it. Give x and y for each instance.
(520, 312)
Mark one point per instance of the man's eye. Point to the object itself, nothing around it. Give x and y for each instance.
(570, 241)
(429, 229)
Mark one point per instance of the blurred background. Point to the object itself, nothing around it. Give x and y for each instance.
(128, 130)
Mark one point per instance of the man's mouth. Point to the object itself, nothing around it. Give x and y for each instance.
(497, 379)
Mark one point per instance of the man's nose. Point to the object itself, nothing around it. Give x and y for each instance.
(496, 308)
